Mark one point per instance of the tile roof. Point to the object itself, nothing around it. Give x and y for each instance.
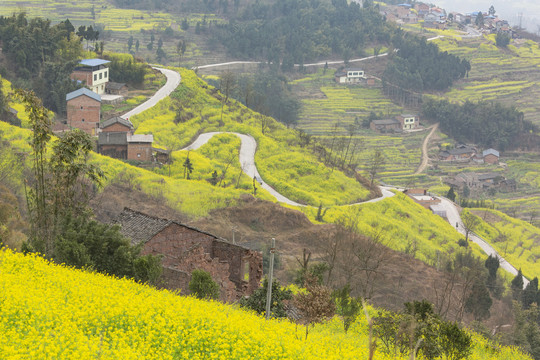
(140, 138)
(140, 227)
(83, 91)
(114, 85)
(490, 152)
(115, 120)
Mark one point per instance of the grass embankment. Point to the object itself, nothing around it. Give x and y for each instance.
(53, 312)
(515, 240)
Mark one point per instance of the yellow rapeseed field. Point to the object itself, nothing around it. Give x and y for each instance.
(55, 312)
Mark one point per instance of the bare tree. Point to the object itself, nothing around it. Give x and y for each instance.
(375, 164)
(470, 223)
(229, 162)
(316, 304)
(370, 254)
(227, 83)
(265, 123)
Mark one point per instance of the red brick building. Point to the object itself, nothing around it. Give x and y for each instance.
(491, 156)
(139, 147)
(84, 110)
(237, 269)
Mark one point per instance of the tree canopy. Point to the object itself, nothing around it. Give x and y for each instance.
(489, 124)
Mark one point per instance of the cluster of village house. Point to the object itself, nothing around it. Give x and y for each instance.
(237, 269)
(116, 136)
(435, 17)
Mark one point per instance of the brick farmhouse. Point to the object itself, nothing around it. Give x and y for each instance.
(84, 110)
(237, 269)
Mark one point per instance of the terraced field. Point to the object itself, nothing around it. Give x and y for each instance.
(508, 75)
(326, 103)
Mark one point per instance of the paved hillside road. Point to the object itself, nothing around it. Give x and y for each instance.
(173, 80)
(248, 148)
(320, 63)
(452, 214)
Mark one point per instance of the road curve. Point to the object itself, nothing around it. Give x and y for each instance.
(454, 219)
(248, 148)
(173, 80)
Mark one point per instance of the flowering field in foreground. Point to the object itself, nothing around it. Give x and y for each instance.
(54, 312)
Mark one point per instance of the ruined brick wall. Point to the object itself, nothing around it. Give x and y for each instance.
(84, 113)
(245, 266)
(175, 241)
(140, 151)
(197, 258)
(185, 250)
(174, 279)
(254, 258)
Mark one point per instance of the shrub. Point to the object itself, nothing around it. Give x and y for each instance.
(202, 286)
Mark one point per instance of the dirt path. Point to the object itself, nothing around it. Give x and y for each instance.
(425, 157)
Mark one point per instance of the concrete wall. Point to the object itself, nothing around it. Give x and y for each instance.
(84, 113)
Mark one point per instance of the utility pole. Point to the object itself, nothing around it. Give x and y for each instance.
(270, 275)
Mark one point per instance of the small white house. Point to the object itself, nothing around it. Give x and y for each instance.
(350, 75)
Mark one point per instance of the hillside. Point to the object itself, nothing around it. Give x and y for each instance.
(54, 312)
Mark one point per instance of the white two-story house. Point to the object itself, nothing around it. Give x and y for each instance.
(94, 73)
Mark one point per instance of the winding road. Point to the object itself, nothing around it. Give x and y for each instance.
(320, 63)
(248, 148)
(173, 80)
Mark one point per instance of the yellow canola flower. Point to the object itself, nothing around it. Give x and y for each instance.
(49, 311)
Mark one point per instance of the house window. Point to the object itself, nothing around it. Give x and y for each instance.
(100, 76)
(83, 120)
(105, 74)
(95, 77)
